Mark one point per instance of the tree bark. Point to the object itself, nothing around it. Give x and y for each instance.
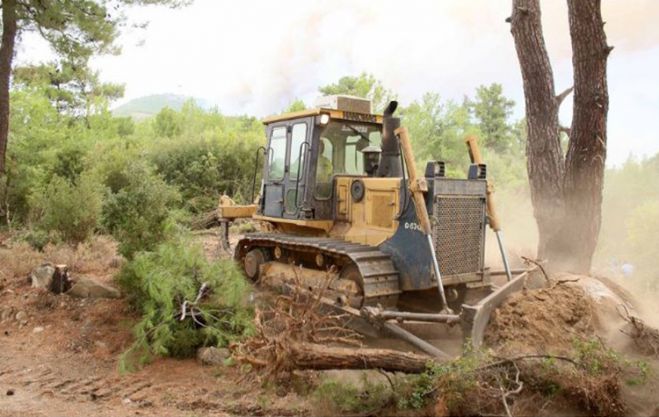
(319, 357)
(584, 176)
(545, 162)
(566, 191)
(9, 29)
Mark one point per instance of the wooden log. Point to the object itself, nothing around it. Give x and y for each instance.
(204, 220)
(320, 357)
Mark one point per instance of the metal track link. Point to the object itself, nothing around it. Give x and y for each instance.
(379, 275)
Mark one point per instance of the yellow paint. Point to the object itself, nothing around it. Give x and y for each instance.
(236, 212)
(334, 114)
(318, 225)
(371, 220)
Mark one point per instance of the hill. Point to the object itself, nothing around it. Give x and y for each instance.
(147, 106)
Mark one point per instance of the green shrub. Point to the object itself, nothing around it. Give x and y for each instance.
(71, 210)
(138, 213)
(204, 169)
(38, 239)
(340, 397)
(157, 283)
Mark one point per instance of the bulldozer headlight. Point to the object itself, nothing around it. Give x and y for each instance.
(324, 119)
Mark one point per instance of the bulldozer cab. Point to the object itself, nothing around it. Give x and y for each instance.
(304, 153)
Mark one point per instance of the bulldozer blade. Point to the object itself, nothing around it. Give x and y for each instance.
(474, 318)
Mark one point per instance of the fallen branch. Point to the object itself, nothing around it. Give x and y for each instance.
(507, 393)
(204, 220)
(539, 265)
(508, 361)
(645, 337)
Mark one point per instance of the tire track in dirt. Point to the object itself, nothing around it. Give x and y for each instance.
(46, 381)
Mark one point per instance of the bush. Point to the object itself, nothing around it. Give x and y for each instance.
(138, 213)
(71, 210)
(157, 284)
(38, 239)
(335, 398)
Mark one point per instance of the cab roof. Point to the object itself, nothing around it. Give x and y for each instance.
(333, 113)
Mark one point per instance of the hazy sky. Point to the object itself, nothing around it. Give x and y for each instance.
(255, 57)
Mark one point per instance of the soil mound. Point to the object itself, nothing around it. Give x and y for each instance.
(545, 320)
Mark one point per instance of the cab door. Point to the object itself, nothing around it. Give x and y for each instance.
(296, 176)
(286, 168)
(275, 172)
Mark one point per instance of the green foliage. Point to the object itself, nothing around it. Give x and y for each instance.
(296, 105)
(70, 85)
(643, 234)
(71, 210)
(157, 283)
(151, 105)
(364, 85)
(630, 229)
(342, 397)
(38, 239)
(491, 110)
(167, 123)
(217, 157)
(437, 131)
(138, 212)
(69, 162)
(596, 358)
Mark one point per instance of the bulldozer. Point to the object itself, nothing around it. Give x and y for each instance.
(342, 198)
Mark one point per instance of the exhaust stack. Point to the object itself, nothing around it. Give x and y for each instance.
(390, 164)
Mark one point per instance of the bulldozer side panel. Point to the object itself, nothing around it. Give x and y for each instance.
(367, 217)
(306, 227)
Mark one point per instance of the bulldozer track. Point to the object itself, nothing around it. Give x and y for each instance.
(46, 381)
(379, 275)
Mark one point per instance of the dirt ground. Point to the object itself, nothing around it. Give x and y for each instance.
(61, 356)
(548, 321)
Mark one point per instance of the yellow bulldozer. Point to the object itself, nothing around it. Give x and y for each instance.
(346, 205)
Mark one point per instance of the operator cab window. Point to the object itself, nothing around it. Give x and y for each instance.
(299, 136)
(277, 154)
(341, 143)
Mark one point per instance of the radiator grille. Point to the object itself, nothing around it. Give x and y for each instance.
(458, 229)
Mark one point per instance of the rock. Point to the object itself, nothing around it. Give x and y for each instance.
(21, 316)
(10, 392)
(42, 276)
(38, 329)
(88, 288)
(212, 355)
(54, 278)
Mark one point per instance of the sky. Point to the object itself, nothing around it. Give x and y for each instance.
(255, 57)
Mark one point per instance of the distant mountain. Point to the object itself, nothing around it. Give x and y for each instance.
(148, 106)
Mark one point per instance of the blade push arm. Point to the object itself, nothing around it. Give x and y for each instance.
(417, 187)
(495, 224)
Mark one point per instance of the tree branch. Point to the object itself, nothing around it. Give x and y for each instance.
(563, 95)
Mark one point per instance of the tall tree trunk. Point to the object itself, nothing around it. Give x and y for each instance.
(545, 162)
(566, 192)
(584, 176)
(9, 28)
